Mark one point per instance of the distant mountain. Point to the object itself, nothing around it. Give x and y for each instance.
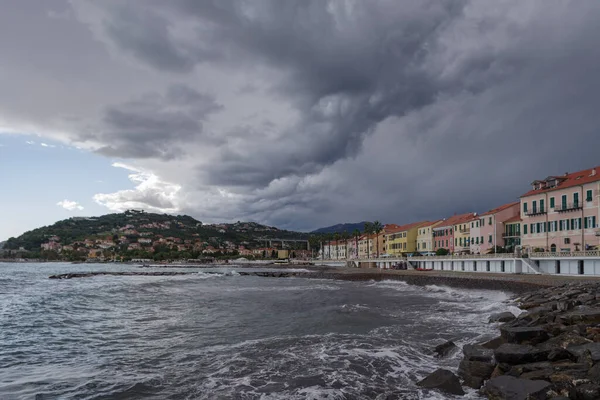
(339, 228)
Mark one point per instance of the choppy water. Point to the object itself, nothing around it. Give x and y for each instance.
(226, 337)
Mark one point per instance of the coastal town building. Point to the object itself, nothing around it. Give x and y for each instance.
(560, 213)
(475, 237)
(425, 236)
(462, 233)
(492, 226)
(512, 233)
(403, 239)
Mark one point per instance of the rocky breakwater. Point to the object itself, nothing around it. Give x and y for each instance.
(549, 351)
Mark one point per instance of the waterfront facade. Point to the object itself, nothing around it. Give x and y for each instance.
(462, 233)
(443, 236)
(425, 237)
(403, 239)
(560, 213)
(512, 233)
(492, 226)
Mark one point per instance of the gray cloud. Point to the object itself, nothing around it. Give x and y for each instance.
(332, 110)
(156, 125)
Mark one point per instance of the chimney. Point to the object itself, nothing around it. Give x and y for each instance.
(593, 172)
(566, 173)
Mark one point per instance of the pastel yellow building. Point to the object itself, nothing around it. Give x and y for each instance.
(403, 239)
(425, 236)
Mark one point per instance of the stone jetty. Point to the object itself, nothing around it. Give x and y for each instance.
(267, 274)
(550, 351)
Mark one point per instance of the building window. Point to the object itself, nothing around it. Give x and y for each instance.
(588, 196)
(524, 207)
(446, 242)
(542, 205)
(490, 239)
(575, 199)
(524, 229)
(490, 221)
(563, 201)
(551, 202)
(534, 206)
(482, 240)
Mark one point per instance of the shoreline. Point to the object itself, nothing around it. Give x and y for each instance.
(512, 284)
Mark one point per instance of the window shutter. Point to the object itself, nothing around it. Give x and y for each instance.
(593, 222)
(524, 229)
(579, 221)
(585, 223)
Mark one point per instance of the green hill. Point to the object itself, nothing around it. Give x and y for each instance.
(135, 224)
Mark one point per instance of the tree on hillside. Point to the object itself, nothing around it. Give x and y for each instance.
(377, 228)
(313, 241)
(368, 232)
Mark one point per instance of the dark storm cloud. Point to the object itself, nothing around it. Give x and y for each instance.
(156, 125)
(347, 68)
(463, 102)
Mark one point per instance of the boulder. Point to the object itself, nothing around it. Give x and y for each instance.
(511, 388)
(473, 352)
(566, 305)
(445, 349)
(564, 340)
(524, 334)
(444, 381)
(511, 353)
(582, 316)
(588, 351)
(559, 353)
(502, 317)
(587, 391)
(479, 369)
(494, 343)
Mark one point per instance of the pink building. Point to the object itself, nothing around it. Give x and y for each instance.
(491, 224)
(443, 233)
(560, 213)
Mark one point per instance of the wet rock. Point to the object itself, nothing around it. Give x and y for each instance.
(511, 388)
(502, 317)
(566, 305)
(594, 373)
(475, 369)
(560, 354)
(445, 349)
(511, 353)
(494, 343)
(591, 349)
(524, 335)
(564, 340)
(444, 381)
(587, 391)
(473, 352)
(585, 316)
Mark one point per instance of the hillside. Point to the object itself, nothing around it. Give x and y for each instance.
(142, 233)
(339, 228)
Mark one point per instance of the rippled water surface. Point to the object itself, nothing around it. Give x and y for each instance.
(222, 336)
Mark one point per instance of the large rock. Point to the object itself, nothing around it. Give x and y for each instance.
(594, 373)
(473, 352)
(445, 349)
(493, 344)
(479, 369)
(524, 334)
(582, 316)
(587, 391)
(587, 352)
(444, 381)
(511, 388)
(511, 353)
(502, 317)
(564, 340)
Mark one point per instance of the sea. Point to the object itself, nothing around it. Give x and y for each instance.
(220, 335)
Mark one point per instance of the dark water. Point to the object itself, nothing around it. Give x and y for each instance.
(225, 337)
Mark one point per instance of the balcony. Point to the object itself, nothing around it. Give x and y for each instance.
(533, 212)
(506, 235)
(465, 230)
(568, 207)
(597, 232)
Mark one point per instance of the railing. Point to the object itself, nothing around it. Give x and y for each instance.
(568, 207)
(562, 254)
(511, 235)
(535, 212)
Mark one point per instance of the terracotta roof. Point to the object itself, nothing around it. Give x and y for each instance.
(570, 180)
(516, 218)
(407, 227)
(501, 208)
(457, 219)
(429, 223)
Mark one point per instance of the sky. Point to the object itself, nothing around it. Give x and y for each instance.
(298, 114)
